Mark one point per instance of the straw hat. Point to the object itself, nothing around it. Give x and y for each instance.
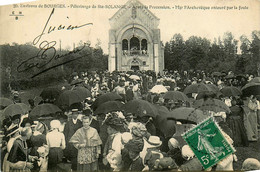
(187, 152)
(251, 164)
(174, 143)
(153, 142)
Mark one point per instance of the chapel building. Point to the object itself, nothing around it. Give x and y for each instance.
(134, 39)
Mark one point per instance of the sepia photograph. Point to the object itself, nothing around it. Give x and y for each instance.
(129, 85)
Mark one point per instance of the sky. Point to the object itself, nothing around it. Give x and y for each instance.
(188, 22)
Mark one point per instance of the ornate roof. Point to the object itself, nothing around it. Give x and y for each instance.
(134, 12)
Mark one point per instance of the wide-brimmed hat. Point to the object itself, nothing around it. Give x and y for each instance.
(251, 164)
(153, 142)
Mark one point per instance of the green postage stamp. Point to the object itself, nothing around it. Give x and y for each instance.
(208, 143)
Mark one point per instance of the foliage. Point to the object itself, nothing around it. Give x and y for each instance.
(198, 53)
(13, 55)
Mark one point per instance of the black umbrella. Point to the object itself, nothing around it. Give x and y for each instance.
(44, 109)
(187, 115)
(166, 126)
(82, 92)
(109, 107)
(68, 98)
(15, 109)
(175, 96)
(198, 88)
(5, 101)
(252, 88)
(231, 91)
(50, 93)
(141, 108)
(105, 98)
(211, 104)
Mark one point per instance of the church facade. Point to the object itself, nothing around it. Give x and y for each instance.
(134, 40)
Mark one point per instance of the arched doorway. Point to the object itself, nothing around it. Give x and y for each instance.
(135, 65)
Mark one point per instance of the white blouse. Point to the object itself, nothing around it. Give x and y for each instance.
(56, 139)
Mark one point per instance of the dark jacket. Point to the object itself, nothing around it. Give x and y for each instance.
(69, 130)
(129, 95)
(137, 165)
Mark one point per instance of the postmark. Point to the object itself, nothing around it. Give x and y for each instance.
(208, 143)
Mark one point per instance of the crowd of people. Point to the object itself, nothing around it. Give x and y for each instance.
(86, 135)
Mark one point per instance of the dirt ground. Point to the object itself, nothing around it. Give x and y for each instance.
(242, 153)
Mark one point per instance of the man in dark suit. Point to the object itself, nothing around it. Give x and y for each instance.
(70, 128)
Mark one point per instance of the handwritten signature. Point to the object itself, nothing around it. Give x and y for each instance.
(47, 52)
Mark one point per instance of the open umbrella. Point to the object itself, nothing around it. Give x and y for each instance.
(14, 109)
(162, 110)
(105, 98)
(213, 87)
(109, 106)
(231, 91)
(211, 104)
(176, 95)
(82, 92)
(50, 93)
(252, 88)
(198, 88)
(140, 108)
(5, 101)
(158, 89)
(187, 115)
(68, 98)
(134, 77)
(44, 109)
(166, 126)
